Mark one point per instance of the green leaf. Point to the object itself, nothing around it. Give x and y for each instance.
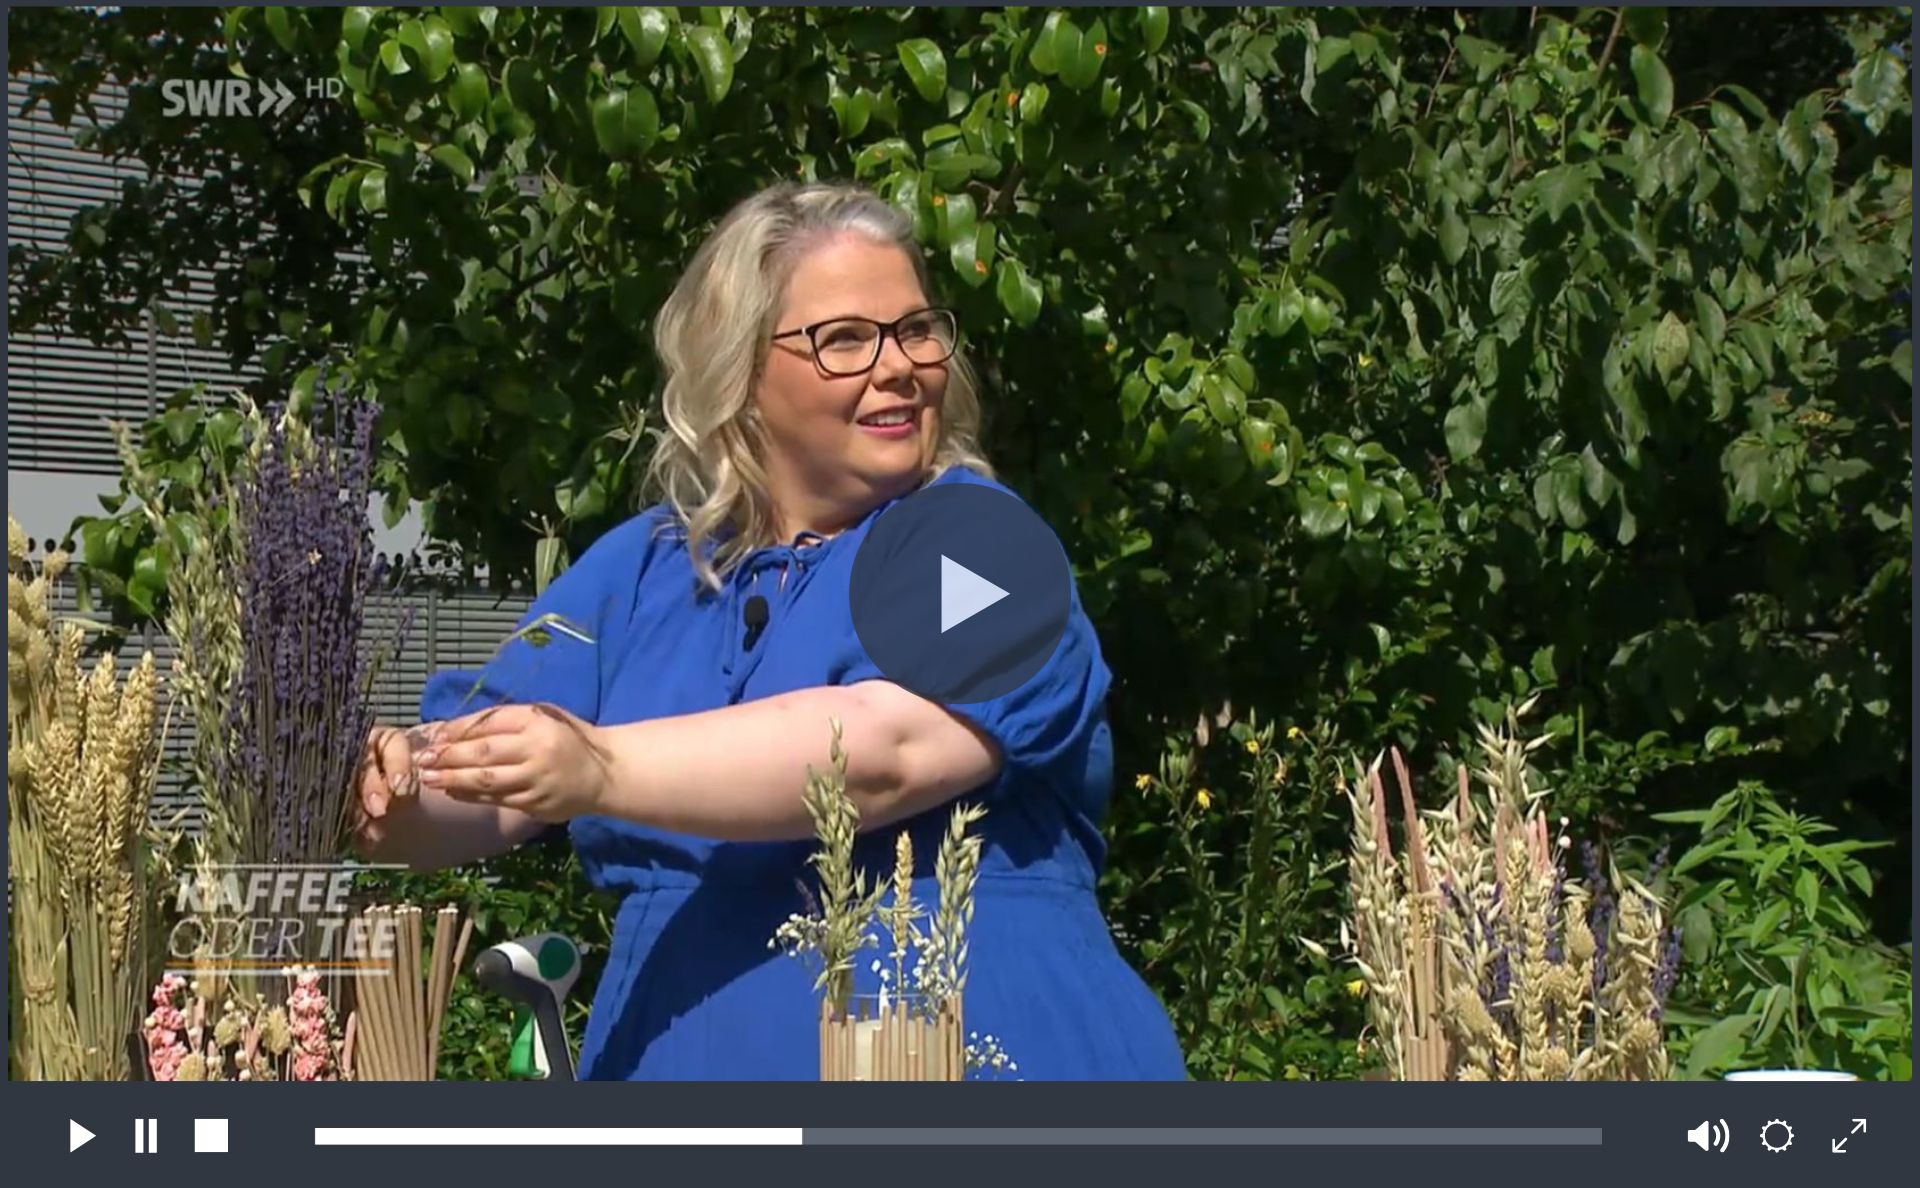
(1806, 889)
(1315, 315)
(1902, 361)
(1202, 122)
(1564, 185)
(1879, 82)
(1717, 1046)
(1283, 310)
(1321, 517)
(1453, 236)
(354, 23)
(626, 123)
(549, 560)
(1226, 402)
(1508, 293)
(1257, 438)
(1019, 293)
(1044, 56)
(1033, 102)
(1709, 318)
(714, 55)
(1080, 54)
(394, 58)
(955, 217)
(525, 88)
(1655, 84)
(1669, 345)
(1647, 26)
(437, 48)
(646, 32)
(280, 24)
(1770, 917)
(373, 190)
(855, 111)
(469, 94)
(1466, 428)
(339, 190)
(1596, 479)
(1484, 56)
(1153, 26)
(456, 161)
(926, 67)
(1795, 140)
(1566, 493)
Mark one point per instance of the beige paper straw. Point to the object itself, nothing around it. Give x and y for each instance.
(415, 989)
(436, 985)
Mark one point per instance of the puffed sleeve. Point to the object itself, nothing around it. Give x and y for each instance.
(1052, 730)
(595, 597)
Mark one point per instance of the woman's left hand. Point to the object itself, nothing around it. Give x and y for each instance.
(538, 759)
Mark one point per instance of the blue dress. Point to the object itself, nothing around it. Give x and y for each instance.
(691, 989)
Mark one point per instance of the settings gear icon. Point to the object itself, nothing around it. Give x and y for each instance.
(1776, 1136)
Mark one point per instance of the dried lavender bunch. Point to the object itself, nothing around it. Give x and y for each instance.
(301, 707)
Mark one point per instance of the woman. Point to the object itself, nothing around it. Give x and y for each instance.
(809, 386)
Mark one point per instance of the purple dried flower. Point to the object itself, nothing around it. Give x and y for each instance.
(1659, 864)
(301, 710)
(1667, 972)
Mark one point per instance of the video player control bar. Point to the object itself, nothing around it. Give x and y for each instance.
(955, 1136)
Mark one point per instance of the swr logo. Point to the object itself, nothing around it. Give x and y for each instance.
(236, 96)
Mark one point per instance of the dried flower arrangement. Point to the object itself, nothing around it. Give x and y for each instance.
(268, 607)
(296, 1039)
(82, 756)
(202, 1032)
(912, 1029)
(1482, 960)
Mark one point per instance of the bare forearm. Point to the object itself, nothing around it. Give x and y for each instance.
(737, 774)
(429, 830)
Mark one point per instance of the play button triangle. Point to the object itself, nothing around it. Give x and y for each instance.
(963, 593)
(77, 1135)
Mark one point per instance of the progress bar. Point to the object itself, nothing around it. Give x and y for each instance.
(956, 1136)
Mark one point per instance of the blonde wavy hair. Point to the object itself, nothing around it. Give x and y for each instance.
(712, 339)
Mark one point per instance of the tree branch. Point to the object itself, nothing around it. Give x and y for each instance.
(1613, 39)
(1003, 197)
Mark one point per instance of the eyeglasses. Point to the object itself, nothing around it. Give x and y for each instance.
(849, 346)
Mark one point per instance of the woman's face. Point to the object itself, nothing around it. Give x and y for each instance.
(838, 446)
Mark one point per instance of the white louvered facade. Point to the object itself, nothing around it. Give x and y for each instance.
(61, 391)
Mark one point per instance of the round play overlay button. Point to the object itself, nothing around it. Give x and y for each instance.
(960, 593)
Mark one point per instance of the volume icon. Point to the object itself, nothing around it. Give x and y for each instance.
(1710, 1135)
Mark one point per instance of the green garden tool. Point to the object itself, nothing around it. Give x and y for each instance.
(536, 972)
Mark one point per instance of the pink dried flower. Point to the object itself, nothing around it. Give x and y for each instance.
(165, 1049)
(310, 1016)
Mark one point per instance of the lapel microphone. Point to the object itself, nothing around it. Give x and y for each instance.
(754, 615)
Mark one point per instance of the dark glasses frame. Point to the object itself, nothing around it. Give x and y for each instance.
(884, 329)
